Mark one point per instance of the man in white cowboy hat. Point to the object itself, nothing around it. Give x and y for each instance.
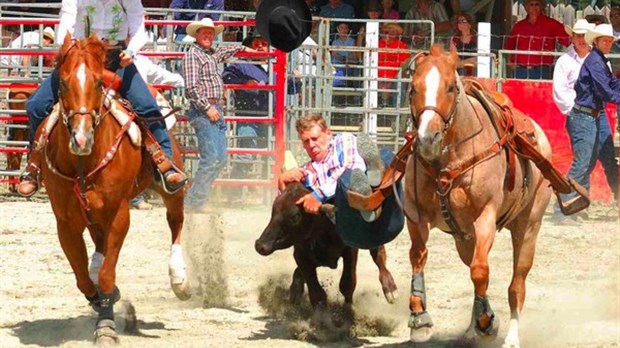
(29, 39)
(204, 88)
(565, 75)
(587, 123)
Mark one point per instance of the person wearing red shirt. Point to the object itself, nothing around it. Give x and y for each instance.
(392, 53)
(536, 32)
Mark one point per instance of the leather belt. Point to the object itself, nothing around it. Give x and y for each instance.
(213, 100)
(587, 110)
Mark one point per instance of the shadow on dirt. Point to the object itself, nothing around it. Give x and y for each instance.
(54, 332)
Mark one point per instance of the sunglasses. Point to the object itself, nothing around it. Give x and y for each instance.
(615, 15)
(462, 21)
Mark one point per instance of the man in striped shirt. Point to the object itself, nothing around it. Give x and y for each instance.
(329, 157)
(205, 89)
(335, 167)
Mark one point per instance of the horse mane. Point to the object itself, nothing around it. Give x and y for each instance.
(91, 49)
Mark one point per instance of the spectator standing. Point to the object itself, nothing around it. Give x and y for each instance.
(565, 75)
(587, 123)
(205, 89)
(536, 32)
(211, 5)
(337, 9)
(249, 102)
(431, 10)
(392, 53)
(465, 40)
(390, 10)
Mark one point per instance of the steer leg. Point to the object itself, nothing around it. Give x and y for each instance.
(318, 296)
(296, 290)
(388, 285)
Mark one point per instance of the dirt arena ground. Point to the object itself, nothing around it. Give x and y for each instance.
(573, 297)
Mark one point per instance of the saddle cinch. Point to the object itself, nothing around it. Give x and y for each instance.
(520, 139)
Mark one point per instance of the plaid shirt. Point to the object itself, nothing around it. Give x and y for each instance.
(342, 154)
(203, 79)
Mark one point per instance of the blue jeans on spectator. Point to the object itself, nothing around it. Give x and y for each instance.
(212, 147)
(591, 140)
(133, 88)
(532, 73)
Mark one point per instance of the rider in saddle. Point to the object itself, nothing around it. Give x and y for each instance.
(121, 24)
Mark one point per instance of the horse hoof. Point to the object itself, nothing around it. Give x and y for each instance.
(421, 326)
(105, 334)
(489, 333)
(391, 296)
(421, 335)
(182, 290)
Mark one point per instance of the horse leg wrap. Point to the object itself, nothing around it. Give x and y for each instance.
(482, 306)
(418, 289)
(104, 303)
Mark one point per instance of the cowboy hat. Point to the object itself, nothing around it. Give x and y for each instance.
(206, 22)
(49, 33)
(592, 18)
(599, 31)
(284, 23)
(581, 27)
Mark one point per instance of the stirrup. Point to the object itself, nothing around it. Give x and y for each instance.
(29, 176)
(576, 204)
(171, 188)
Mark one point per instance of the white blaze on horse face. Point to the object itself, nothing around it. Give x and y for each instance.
(432, 86)
(81, 75)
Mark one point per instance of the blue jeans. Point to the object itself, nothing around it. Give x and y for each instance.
(591, 140)
(353, 229)
(212, 147)
(133, 88)
(248, 140)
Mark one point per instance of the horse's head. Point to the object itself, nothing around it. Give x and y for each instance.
(80, 67)
(434, 95)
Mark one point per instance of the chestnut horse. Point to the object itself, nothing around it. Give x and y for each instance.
(457, 182)
(91, 171)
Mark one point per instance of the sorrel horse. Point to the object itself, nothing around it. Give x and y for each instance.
(17, 101)
(92, 171)
(458, 181)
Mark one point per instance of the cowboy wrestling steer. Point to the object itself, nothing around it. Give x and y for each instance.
(315, 244)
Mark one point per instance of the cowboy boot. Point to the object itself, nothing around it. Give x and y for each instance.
(172, 178)
(29, 180)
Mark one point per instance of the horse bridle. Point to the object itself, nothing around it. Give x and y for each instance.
(82, 110)
(447, 118)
